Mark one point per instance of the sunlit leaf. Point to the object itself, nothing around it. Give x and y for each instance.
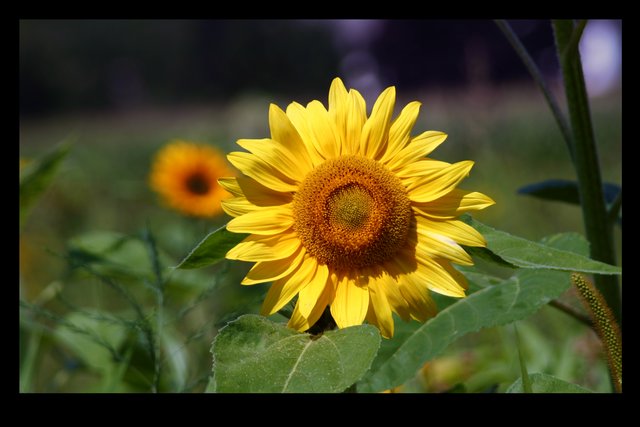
(211, 249)
(253, 354)
(524, 253)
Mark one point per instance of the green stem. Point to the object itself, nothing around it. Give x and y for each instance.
(526, 381)
(585, 320)
(159, 290)
(30, 360)
(537, 77)
(574, 43)
(598, 228)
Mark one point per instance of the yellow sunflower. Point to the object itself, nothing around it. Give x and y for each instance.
(185, 175)
(345, 210)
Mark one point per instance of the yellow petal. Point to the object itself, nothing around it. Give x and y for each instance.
(266, 221)
(349, 307)
(238, 206)
(265, 248)
(413, 171)
(268, 271)
(433, 245)
(380, 303)
(375, 132)
(392, 291)
(323, 130)
(260, 195)
(419, 147)
(455, 274)
(231, 185)
(371, 315)
(301, 323)
(299, 117)
(337, 96)
(309, 295)
(454, 204)
(282, 290)
(355, 120)
(434, 185)
(400, 131)
(421, 306)
(272, 152)
(338, 106)
(262, 172)
(438, 278)
(283, 131)
(412, 286)
(457, 230)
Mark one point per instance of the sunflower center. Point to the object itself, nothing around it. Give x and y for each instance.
(352, 212)
(349, 207)
(198, 184)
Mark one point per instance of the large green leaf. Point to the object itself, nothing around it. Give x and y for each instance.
(36, 178)
(211, 249)
(524, 253)
(254, 355)
(495, 304)
(543, 383)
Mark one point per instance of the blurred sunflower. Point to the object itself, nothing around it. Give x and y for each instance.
(185, 175)
(345, 210)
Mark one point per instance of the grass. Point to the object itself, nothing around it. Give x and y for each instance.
(101, 198)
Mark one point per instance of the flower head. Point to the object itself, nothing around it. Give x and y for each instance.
(185, 175)
(345, 210)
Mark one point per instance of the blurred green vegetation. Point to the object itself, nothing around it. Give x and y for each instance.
(86, 244)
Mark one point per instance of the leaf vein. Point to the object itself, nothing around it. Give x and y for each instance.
(286, 383)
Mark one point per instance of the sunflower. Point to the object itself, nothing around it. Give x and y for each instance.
(185, 175)
(345, 210)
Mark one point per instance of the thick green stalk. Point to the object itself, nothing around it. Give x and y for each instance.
(598, 228)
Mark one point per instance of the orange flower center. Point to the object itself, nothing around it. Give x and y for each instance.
(351, 212)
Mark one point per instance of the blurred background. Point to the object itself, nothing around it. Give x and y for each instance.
(121, 89)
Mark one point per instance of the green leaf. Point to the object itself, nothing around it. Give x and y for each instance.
(91, 340)
(211, 249)
(125, 257)
(513, 299)
(495, 304)
(524, 253)
(571, 242)
(563, 190)
(543, 383)
(176, 358)
(37, 177)
(254, 355)
(403, 330)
